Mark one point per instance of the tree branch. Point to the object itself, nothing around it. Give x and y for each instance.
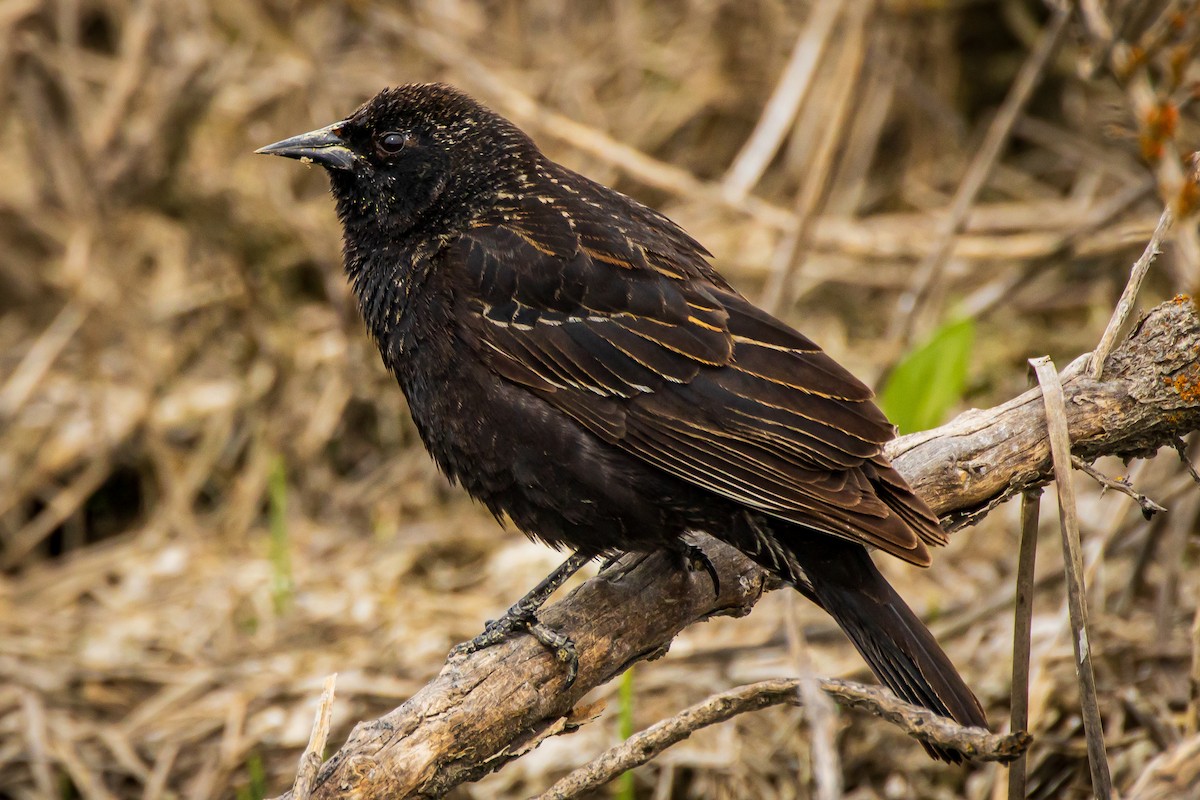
(917, 722)
(487, 708)
(1149, 395)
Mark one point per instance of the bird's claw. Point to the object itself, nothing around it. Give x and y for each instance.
(497, 631)
(561, 645)
(696, 559)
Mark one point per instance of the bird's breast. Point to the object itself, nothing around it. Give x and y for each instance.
(521, 457)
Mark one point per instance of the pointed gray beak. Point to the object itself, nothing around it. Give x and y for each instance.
(323, 146)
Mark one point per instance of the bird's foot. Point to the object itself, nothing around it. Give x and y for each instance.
(522, 617)
(695, 559)
(518, 620)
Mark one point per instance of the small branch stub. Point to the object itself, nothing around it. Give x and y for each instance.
(314, 754)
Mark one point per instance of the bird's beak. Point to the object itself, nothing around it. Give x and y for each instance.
(324, 146)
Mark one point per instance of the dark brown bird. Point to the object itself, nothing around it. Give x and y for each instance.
(573, 360)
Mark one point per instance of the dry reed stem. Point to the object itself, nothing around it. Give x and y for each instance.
(1060, 448)
(1022, 626)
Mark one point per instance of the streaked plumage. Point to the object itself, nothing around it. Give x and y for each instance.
(573, 360)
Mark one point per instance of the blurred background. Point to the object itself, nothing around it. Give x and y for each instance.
(211, 495)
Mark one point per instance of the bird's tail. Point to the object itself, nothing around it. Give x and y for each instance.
(842, 579)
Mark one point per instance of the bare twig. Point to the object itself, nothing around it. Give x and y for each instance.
(976, 743)
(1148, 506)
(314, 754)
(1022, 625)
(910, 305)
(1060, 449)
(1129, 296)
(1181, 448)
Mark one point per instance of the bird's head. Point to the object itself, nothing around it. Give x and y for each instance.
(411, 149)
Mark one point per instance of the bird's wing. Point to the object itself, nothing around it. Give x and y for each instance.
(647, 352)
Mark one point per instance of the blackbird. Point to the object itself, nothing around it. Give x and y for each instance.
(573, 360)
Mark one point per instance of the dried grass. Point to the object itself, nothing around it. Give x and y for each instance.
(174, 327)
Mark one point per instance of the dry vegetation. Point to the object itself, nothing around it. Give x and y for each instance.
(211, 497)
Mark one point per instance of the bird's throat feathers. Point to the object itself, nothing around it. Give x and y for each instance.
(385, 274)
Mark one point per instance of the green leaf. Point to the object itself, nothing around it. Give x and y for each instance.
(929, 381)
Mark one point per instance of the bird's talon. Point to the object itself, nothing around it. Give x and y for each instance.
(696, 559)
(568, 656)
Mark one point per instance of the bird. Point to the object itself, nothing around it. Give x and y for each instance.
(572, 359)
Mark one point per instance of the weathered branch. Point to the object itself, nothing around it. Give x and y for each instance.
(491, 706)
(1150, 394)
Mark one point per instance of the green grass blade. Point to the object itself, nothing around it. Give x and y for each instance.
(625, 788)
(282, 585)
(256, 786)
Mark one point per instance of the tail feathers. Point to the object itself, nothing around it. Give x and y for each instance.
(896, 645)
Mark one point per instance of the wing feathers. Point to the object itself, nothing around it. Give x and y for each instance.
(655, 354)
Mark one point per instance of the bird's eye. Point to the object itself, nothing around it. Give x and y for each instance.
(393, 142)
